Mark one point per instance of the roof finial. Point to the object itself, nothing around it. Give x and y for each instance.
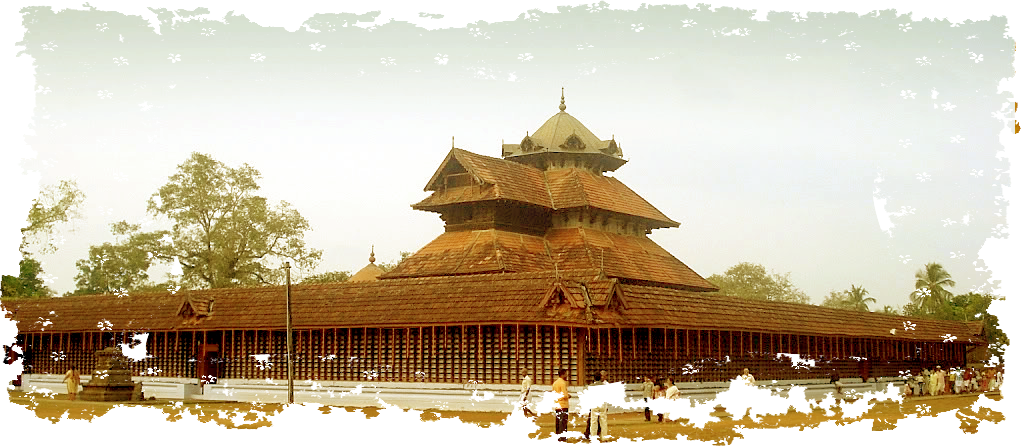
(372, 254)
(451, 142)
(563, 106)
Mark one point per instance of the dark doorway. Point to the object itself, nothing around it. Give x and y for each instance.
(209, 363)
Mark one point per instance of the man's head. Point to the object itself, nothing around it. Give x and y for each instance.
(562, 373)
(745, 371)
(603, 375)
(525, 371)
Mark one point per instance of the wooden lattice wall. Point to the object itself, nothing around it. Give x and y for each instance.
(150, 353)
(494, 353)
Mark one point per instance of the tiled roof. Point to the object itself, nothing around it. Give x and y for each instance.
(555, 189)
(574, 187)
(493, 250)
(470, 299)
(473, 252)
(624, 256)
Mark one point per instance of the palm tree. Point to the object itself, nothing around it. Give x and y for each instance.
(890, 310)
(856, 299)
(931, 287)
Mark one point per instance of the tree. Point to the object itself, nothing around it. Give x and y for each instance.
(856, 298)
(975, 307)
(58, 203)
(890, 310)
(223, 235)
(119, 267)
(751, 281)
(836, 299)
(389, 266)
(27, 283)
(931, 288)
(328, 277)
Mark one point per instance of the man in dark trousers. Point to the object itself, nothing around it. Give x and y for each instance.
(600, 376)
(560, 414)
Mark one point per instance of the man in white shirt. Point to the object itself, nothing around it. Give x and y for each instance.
(526, 387)
(597, 417)
(748, 402)
(672, 392)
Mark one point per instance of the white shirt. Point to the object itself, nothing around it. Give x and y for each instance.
(748, 379)
(526, 384)
(672, 392)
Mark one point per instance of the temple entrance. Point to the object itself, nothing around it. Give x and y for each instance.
(208, 369)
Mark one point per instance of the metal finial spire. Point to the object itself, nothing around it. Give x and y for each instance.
(563, 106)
(451, 142)
(372, 254)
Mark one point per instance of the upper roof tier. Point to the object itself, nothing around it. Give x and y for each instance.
(563, 134)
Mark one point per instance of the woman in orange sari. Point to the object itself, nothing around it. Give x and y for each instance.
(72, 379)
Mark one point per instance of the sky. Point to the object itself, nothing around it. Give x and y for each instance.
(841, 148)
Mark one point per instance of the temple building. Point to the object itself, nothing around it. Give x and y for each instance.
(545, 262)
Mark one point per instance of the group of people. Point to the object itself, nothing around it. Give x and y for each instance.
(662, 396)
(661, 388)
(963, 380)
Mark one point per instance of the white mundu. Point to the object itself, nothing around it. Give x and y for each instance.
(748, 401)
(526, 395)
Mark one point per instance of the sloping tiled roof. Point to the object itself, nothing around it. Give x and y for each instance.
(624, 256)
(472, 299)
(556, 189)
(493, 250)
(574, 187)
(501, 179)
(473, 252)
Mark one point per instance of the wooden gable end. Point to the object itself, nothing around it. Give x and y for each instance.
(193, 310)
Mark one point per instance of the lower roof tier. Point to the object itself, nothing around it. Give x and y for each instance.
(498, 251)
(570, 298)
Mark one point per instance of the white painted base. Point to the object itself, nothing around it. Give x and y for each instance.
(161, 388)
(418, 396)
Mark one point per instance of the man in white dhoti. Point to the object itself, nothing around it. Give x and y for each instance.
(597, 416)
(673, 409)
(526, 387)
(748, 401)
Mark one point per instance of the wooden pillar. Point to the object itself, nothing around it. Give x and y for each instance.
(582, 372)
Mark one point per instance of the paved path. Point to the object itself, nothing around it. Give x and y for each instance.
(545, 419)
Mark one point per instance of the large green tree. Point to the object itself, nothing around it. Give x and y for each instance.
(59, 203)
(119, 267)
(328, 277)
(223, 234)
(931, 283)
(752, 281)
(975, 307)
(857, 300)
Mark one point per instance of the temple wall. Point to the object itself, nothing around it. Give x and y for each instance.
(491, 354)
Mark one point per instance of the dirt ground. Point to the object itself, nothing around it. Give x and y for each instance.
(972, 414)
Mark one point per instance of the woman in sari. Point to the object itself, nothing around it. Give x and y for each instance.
(72, 379)
(672, 405)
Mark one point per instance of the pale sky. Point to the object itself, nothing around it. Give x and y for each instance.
(843, 149)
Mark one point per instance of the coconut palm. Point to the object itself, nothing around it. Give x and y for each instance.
(856, 300)
(931, 287)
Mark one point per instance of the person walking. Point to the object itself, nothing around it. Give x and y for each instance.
(600, 376)
(748, 402)
(958, 381)
(919, 384)
(926, 376)
(563, 403)
(934, 382)
(598, 413)
(660, 392)
(72, 379)
(526, 387)
(672, 404)
(648, 387)
(835, 380)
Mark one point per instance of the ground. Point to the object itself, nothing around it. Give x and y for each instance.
(971, 414)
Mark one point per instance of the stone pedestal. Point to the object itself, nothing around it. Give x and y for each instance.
(111, 381)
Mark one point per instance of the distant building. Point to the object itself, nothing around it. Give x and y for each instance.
(544, 263)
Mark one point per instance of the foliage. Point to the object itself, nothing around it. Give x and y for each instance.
(119, 267)
(931, 286)
(751, 281)
(975, 307)
(892, 311)
(328, 277)
(28, 283)
(856, 298)
(836, 299)
(223, 234)
(58, 203)
(389, 266)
